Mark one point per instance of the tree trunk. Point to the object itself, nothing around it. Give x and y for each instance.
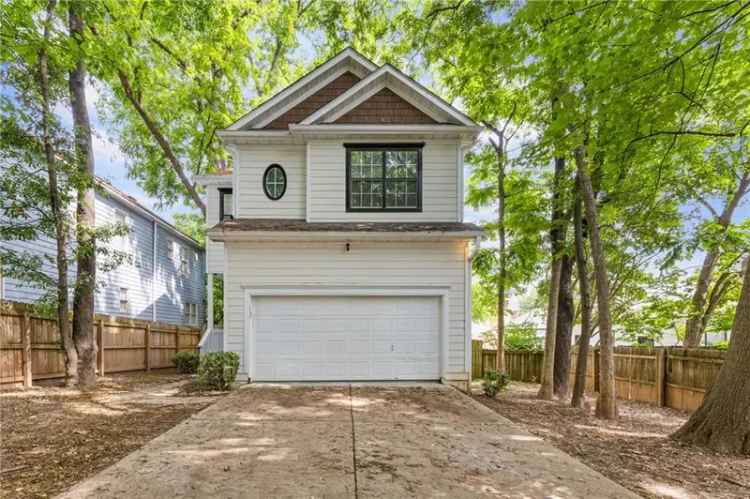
(500, 357)
(58, 212)
(606, 406)
(695, 326)
(564, 330)
(579, 385)
(557, 236)
(722, 422)
(83, 301)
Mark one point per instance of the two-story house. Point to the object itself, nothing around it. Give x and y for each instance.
(340, 233)
(161, 278)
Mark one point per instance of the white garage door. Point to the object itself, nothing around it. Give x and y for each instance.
(329, 338)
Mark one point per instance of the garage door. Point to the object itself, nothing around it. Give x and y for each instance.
(329, 338)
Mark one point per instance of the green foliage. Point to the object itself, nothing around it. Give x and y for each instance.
(493, 382)
(218, 370)
(193, 225)
(186, 362)
(522, 337)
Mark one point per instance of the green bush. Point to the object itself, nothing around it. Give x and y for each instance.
(186, 362)
(218, 370)
(494, 382)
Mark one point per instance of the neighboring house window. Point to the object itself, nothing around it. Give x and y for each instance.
(225, 204)
(274, 182)
(383, 177)
(124, 303)
(190, 313)
(184, 261)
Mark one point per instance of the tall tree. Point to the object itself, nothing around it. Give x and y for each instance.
(722, 422)
(579, 385)
(557, 238)
(564, 327)
(606, 404)
(57, 205)
(83, 301)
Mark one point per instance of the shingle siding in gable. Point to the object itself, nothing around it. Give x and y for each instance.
(314, 102)
(385, 108)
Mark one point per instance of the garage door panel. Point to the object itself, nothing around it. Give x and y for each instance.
(342, 338)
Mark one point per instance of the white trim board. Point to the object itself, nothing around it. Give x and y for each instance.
(250, 291)
(348, 53)
(332, 110)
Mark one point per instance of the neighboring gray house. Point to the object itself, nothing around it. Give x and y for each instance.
(339, 233)
(163, 280)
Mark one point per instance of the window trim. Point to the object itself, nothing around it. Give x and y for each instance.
(222, 212)
(265, 175)
(383, 147)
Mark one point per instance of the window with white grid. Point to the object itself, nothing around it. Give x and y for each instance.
(382, 178)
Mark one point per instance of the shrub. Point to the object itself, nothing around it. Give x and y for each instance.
(494, 382)
(218, 370)
(186, 362)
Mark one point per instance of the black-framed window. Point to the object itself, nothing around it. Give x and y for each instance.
(384, 177)
(274, 182)
(225, 204)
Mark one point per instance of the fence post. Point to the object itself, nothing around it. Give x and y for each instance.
(26, 352)
(100, 347)
(661, 370)
(177, 339)
(148, 346)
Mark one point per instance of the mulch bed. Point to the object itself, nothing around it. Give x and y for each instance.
(52, 437)
(634, 451)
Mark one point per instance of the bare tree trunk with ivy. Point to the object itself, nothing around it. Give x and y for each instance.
(722, 422)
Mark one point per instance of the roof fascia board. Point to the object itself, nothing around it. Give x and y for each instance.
(263, 235)
(145, 212)
(469, 133)
(344, 54)
(302, 96)
(206, 180)
(385, 70)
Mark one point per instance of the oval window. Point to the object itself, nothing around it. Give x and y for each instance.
(274, 182)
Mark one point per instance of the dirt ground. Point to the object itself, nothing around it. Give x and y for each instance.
(634, 451)
(52, 437)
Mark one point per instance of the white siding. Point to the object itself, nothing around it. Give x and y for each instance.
(252, 201)
(410, 264)
(328, 185)
(214, 250)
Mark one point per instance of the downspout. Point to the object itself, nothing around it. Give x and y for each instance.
(153, 274)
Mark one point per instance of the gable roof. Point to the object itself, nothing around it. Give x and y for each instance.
(346, 60)
(407, 88)
(320, 98)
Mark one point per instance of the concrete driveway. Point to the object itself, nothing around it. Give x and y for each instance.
(347, 441)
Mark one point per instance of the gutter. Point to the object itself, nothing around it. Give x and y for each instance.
(262, 235)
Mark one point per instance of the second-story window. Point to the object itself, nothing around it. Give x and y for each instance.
(225, 204)
(384, 177)
(274, 182)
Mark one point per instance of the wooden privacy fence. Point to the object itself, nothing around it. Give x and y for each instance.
(665, 376)
(30, 346)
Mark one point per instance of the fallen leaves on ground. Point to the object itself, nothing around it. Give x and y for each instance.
(634, 451)
(51, 437)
